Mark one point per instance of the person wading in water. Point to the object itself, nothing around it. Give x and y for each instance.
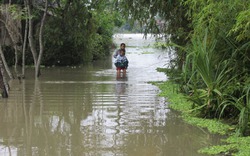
(121, 62)
(117, 52)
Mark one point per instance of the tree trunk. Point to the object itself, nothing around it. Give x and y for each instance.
(4, 91)
(6, 67)
(12, 26)
(3, 83)
(24, 43)
(37, 57)
(30, 34)
(41, 40)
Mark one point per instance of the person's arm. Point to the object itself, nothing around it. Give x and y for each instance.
(116, 53)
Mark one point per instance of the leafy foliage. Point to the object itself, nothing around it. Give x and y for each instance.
(78, 32)
(237, 146)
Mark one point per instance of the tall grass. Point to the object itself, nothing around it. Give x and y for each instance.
(208, 75)
(212, 85)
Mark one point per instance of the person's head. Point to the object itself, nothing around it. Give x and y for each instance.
(122, 46)
(122, 52)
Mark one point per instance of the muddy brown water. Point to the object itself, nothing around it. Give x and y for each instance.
(92, 111)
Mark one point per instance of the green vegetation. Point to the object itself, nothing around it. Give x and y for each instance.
(75, 32)
(211, 68)
(180, 102)
(78, 40)
(241, 144)
(233, 145)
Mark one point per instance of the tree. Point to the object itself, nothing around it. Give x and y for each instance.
(165, 19)
(3, 83)
(37, 56)
(78, 32)
(11, 30)
(221, 76)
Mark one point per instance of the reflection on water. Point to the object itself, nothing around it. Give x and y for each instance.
(93, 111)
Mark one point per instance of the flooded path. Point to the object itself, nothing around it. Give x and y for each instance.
(90, 111)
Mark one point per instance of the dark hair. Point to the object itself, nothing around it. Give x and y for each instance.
(123, 44)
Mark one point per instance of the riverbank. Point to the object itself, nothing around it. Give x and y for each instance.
(231, 145)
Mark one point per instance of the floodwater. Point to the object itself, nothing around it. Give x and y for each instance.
(92, 111)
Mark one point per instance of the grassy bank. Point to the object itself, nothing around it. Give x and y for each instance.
(233, 145)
